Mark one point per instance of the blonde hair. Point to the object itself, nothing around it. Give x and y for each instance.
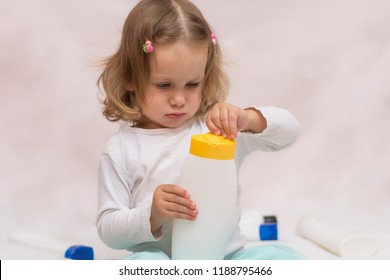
(161, 22)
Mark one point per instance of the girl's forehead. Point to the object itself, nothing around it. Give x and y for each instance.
(180, 49)
(179, 59)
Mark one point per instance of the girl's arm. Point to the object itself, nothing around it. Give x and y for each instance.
(281, 132)
(119, 225)
(270, 128)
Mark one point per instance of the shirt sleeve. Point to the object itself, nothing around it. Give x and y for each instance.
(282, 130)
(120, 226)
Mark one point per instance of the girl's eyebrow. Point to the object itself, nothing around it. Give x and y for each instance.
(165, 79)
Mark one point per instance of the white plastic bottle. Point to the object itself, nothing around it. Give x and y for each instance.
(209, 174)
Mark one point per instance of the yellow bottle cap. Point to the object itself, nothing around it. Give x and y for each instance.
(212, 146)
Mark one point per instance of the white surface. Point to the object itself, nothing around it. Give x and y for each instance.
(328, 62)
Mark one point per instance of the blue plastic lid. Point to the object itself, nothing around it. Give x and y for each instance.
(79, 252)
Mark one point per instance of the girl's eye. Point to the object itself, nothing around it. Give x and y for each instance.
(163, 85)
(192, 85)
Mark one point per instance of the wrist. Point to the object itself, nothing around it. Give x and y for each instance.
(256, 121)
(155, 227)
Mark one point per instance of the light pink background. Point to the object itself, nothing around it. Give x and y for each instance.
(328, 62)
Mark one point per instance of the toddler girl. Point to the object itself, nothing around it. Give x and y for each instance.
(165, 83)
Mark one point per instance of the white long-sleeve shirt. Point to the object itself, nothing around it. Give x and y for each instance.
(135, 161)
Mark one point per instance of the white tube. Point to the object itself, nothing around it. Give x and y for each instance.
(336, 240)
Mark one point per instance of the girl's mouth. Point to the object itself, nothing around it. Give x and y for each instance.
(175, 116)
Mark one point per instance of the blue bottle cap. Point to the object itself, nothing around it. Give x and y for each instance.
(268, 231)
(79, 252)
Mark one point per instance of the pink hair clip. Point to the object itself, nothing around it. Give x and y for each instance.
(214, 38)
(147, 47)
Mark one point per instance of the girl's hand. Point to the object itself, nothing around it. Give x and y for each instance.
(227, 120)
(171, 202)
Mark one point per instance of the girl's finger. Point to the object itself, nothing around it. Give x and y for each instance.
(178, 208)
(211, 126)
(177, 211)
(215, 118)
(175, 199)
(174, 189)
(224, 120)
(232, 117)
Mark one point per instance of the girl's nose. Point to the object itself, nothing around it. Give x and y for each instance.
(177, 99)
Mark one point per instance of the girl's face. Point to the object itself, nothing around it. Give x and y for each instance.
(174, 92)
